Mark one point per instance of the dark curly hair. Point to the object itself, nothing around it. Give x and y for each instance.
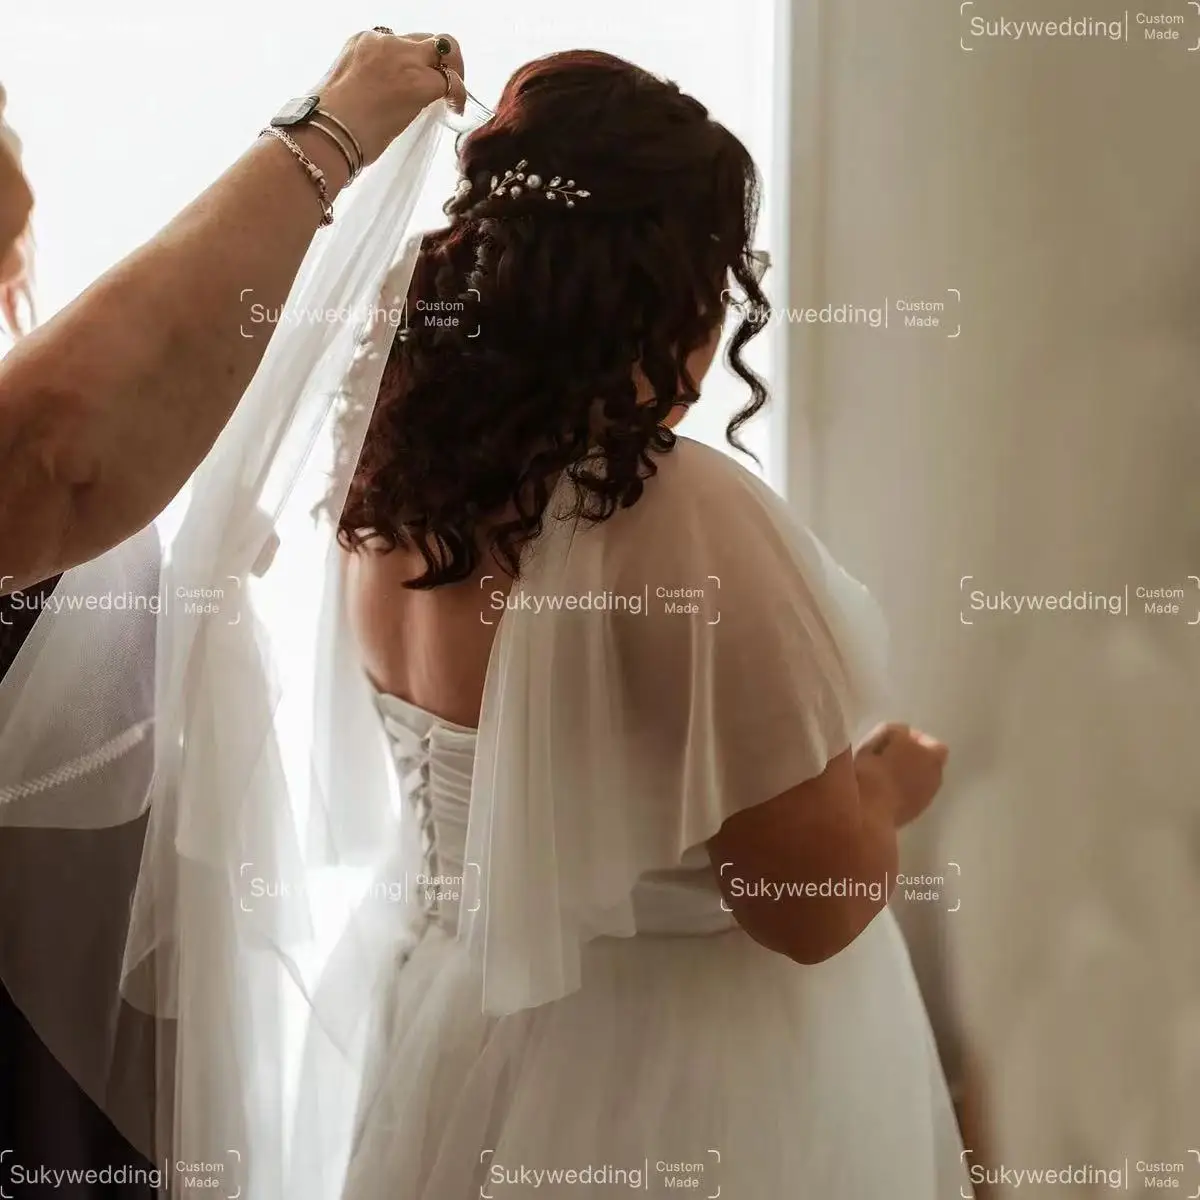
(551, 307)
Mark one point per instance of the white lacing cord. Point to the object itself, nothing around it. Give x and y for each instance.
(85, 764)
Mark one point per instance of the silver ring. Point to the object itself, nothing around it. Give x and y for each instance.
(384, 29)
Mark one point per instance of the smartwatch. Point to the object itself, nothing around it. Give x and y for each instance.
(296, 112)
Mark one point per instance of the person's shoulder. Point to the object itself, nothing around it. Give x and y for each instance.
(701, 505)
(697, 461)
(701, 479)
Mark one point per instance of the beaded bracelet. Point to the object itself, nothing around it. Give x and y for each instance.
(314, 172)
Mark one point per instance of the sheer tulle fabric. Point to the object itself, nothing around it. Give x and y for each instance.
(682, 1064)
(730, 660)
(193, 696)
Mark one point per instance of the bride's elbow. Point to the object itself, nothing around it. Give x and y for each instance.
(804, 933)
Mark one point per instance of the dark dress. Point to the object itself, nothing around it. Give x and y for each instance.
(45, 1118)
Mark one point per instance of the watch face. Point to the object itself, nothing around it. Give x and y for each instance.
(296, 111)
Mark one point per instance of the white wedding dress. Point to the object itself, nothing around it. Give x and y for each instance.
(689, 1058)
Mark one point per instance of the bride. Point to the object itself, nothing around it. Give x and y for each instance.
(626, 924)
(620, 685)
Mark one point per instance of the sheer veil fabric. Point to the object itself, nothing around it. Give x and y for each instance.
(192, 695)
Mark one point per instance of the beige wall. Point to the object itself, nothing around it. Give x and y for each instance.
(1054, 444)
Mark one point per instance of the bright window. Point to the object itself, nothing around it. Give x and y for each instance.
(130, 108)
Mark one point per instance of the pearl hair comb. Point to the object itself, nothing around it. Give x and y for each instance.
(520, 180)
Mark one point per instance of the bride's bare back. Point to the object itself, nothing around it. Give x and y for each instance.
(428, 647)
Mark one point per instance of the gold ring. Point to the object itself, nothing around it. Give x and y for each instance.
(448, 76)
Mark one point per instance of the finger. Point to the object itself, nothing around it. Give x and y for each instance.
(416, 37)
(883, 737)
(436, 85)
(939, 749)
(456, 95)
(450, 85)
(454, 59)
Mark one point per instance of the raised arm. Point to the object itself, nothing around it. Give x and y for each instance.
(107, 409)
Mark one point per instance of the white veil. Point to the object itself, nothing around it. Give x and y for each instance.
(146, 716)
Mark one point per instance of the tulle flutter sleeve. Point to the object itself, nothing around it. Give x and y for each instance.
(697, 654)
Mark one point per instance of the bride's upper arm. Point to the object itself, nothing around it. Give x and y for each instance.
(745, 706)
(806, 872)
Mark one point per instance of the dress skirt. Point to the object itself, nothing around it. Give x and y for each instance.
(697, 1065)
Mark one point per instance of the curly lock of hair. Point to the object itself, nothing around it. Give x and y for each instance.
(526, 319)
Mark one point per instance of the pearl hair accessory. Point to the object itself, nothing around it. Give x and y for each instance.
(519, 180)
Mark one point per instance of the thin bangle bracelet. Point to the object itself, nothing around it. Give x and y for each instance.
(320, 112)
(335, 137)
